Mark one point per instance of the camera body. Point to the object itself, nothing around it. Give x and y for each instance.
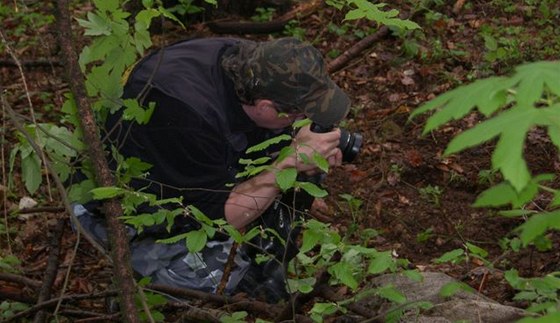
(350, 143)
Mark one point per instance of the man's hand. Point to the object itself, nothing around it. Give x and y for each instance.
(309, 143)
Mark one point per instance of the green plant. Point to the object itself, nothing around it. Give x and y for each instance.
(263, 14)
(185, 7)
(425, 235)
(294, 30)
(541, 292)
(513, 106)
(9, 309)
(431, 194)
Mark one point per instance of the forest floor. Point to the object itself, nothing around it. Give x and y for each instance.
(418, 201)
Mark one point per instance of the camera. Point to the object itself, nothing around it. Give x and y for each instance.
(350, 143)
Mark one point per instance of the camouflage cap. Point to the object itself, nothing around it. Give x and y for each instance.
(292, 74)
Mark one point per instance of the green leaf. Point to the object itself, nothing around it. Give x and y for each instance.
(488, 95)
(389, 292)
(476, 250)
(107, 192)
(321, 162)
(303, 285)
(537, 226)
(312, 189)
(267, 143)
(196, 240)
(344, 271)
(133, 111)
(31, 172)
(451, 256)
(286, 178)
(95, 25)
(106, 5)
(199, 215)
(381, 262)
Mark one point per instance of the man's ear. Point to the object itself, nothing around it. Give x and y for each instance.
(263, 105)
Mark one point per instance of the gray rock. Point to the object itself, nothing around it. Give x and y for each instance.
(462, 306)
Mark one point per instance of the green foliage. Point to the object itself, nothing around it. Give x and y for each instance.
(541, 292)
(9, 309)
(513, 106)
(263, 14)
(9, 263)
(431, 193)
(365, 9)
(532, 95)
(235, 317)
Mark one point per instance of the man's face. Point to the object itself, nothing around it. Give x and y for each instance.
(265, 115)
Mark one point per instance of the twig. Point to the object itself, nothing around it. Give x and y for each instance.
(20, 280)
(51, 302)
(51, 271)
(227, 269)
(30, 64)
(336, 64)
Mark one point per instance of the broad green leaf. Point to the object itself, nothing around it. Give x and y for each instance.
(451, 256)
(344, 271)
(31, 172)
(286, 178)
(196, 240)
(476, 250)
(389, 292)
(106, 5)
(534, 77)
(199, 215)
(321, 162)
(81, 192)
(133, 111)
(95, 25)
(538, 224)
(303, 285)
(173, 239)
(488, 95)
(312, 189)
(101, 193)
(381, 262)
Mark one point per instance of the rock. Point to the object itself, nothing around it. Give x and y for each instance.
(462, 306)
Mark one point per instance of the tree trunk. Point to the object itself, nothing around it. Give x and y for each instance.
(117, 234)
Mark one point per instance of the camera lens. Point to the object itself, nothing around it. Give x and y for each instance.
(350, 144)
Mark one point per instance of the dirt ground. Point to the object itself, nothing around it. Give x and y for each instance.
(417, 200)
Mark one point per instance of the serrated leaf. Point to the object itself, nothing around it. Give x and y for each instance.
(381, 262)
(487, 94)
(344, 272)
(196, 240)
(286, 178)
(267, 143)
(95, 25)
(312, 189)
(321, 162)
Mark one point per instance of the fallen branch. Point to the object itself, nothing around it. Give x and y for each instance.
(30, 64)
(52, 269)
(13, 278)
(237, 27)
(339, 62)
(53, 301)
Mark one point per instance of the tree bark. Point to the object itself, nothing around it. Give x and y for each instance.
(120, 252)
